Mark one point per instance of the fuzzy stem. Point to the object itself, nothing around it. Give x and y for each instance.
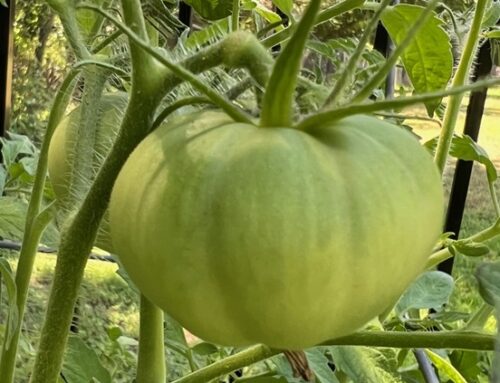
(77, 239)
(277, 105)
(235, 17)
(31, 235)
(350, 67)
(397, 103)
(151, 367)
(460, 78)
(394, 339)
(380, 76)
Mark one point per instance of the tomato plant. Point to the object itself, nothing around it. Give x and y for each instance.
(239, 201)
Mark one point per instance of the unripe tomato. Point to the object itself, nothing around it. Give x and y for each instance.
(62, 149)
(273, 235)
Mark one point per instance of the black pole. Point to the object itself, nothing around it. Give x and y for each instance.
(185, 14)
(463, 170)
(384, 45)
(6, 62)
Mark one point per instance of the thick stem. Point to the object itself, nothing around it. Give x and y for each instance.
(235, 17)
(277, 105)
(32, 237)
(460, 78)
(394, 339)
(151, 366)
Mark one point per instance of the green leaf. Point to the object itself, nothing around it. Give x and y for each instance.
(488, 276)
(82, 365)
(3, 3)
(212, 9)
(445, 367)
(211, 33)
(10, 283)
(465, 148)
(286, 6)
(12, 218)
(471, 248)
(467, 363)
(367, 365)
(3, 178)
(431, 290)
(267, 379)
(428, 60)
(319, 364)
(491, 16)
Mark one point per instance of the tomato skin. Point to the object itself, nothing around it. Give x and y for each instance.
(272, 235)
(62, 148)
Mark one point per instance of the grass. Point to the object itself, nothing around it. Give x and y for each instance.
(106, 302)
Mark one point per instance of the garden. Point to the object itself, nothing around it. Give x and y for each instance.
(249, 191)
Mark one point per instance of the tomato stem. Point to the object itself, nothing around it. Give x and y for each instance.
(395, 339)
(277, 105)
(461, 77)
(33, 228)
(235, 17)
(151, 366)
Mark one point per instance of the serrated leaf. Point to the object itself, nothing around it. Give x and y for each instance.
(12, 218)
(212, 9)
(367, 365)
(471, 249)
(213, 32)
(10, 283)
(428, 60)
(488, 276)
(446, 367)
(82, 365)
(430, 291)
(268, 15)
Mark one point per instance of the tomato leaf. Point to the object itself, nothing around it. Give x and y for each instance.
(470, 248)
(367, 365)
(428, 60)
(488, 276)
(212, 9)
(12, 218)
(492, 15)
(319, 364)
(82, 365)
(205, 348)
(430, 291)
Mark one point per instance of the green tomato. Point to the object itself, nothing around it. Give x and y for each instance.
(273, 235)
(62, 148)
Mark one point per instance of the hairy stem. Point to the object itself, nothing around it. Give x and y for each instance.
(395, 339)
(31, 235)
(151, 366)
(460, 78)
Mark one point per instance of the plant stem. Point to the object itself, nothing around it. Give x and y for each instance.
(235, 17)
(485, 235)
(277, 105)
(31, 235)
(151, 367)
(394, 339)
(460, 78)
(365, 108)
(380, 76)
(350, 67)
